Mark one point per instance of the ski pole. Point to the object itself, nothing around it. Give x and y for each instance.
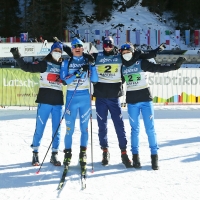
(66, 111)
(91, 127)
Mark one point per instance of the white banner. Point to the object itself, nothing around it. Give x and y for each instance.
(32, 49)
(179, 86)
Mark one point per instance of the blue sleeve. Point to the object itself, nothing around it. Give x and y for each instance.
(94, 75)
(64, 73)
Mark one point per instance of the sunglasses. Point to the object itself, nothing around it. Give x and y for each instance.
(107, 45)
(125, 47)
(77, 45)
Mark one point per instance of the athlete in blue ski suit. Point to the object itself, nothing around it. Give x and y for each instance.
(49, 98)
(139, 98)
(74, 73)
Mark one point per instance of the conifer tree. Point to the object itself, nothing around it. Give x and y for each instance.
(10, 20)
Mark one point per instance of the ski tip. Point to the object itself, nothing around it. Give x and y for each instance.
(37, 172)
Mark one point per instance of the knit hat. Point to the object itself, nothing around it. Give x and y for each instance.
(127, 46)
(57, 45)
(76, 41)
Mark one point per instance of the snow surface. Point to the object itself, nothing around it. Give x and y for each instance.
(178, 131)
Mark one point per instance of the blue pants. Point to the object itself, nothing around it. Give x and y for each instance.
(146, 109)
(81, 103)
(43, 112)
(103, 105)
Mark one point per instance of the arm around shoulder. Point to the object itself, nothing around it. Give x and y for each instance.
(94, 75)
(162, 68)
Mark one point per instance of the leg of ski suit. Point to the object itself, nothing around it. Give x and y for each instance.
(43, 113)
(134, 119)
(148, 118)
(103, 105)
(56, 115)
(81, 103)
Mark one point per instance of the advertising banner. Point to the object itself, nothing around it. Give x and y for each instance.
(32, 49)
(18, 88)
(180, 86)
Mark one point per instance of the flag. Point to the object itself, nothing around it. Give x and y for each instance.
(106, 33)
(67, 35)
(118, 37)
(199, 37)
(87, 33)
(196, 37)
(177, 37)
(187, 37)
(128, 36)
(137, 37)
(23, 37)
(17, 39)
(11, 39)
(157, 32)
(78, 35)
(97, 36)
(148, 37)
(167, 38)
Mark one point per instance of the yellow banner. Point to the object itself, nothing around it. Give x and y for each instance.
(18, 88)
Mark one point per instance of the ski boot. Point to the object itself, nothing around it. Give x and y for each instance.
(106, 157)
(35, 159)
(82, 156)
(125, 159)
(54, 159)
(154, 162)
(83, 161)
(136, 161)
(67, 157)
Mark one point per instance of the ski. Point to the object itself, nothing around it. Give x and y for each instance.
(83, 177)
(62, 180)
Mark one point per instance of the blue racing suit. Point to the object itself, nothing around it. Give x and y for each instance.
(49, 98)
(139, 99)
(78, 97)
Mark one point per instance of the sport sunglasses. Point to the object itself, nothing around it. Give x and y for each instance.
(107, 45)
(77, 45)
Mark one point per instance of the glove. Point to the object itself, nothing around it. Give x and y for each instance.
(15, 52)
(160, 48)
(78, 73)
(179, 62)
(85, 68)
(90, 58)
(56, 39)
(63, 82)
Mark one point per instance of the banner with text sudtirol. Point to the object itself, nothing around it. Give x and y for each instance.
(176, 87)
(18, 88)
